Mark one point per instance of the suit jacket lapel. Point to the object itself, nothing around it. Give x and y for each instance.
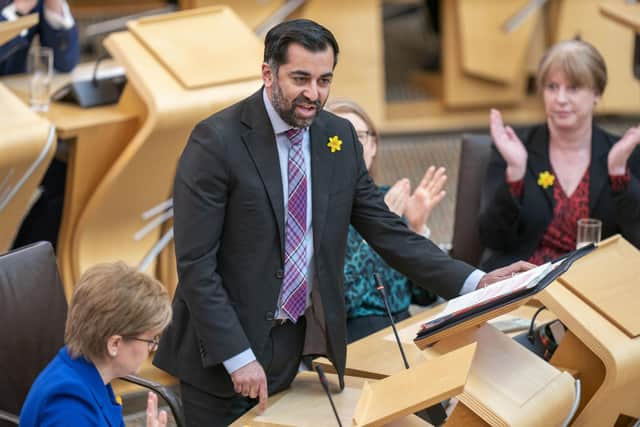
(321, 176)
(539, 161)
(261, 144)
(598, 169)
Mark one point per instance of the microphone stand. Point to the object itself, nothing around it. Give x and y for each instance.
(325, 386)
(435, 414)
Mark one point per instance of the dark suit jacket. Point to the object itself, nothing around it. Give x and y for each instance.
(70, 392)
(65, 45)
(512, 228)
(229, 238)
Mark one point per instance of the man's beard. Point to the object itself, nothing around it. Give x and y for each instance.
(288, 112)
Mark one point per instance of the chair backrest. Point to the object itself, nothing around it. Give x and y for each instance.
(474, 157)
(33, 312)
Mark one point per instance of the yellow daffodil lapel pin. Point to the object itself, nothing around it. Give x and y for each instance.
(546, 179)
(335, 143)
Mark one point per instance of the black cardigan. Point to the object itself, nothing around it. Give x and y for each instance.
(511, 229)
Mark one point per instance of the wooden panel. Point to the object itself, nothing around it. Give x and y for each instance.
(461, 90)
(229, 52)
(614, 42)
(357, 26)
(487, 50)
(304, 404)
(620, 355)
(614, 292)
(10, 29)
(414, 389)
(25, 153)
(252, 12)
(623, 13)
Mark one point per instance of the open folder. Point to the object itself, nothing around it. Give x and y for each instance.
(476, 304)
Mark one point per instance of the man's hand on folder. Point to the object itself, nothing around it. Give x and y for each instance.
(504, 273)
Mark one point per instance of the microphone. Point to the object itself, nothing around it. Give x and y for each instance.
(435, 414)
(325, 386)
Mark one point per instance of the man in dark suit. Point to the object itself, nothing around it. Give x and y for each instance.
(264, 194)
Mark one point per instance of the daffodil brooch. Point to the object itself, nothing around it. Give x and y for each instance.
(335, 143)
(546, 179)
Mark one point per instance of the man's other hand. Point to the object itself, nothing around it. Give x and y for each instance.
(504, 273)
(251, 381)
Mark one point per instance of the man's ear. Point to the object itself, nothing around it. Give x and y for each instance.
(267, 75)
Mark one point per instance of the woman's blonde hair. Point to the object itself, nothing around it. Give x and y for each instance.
(345, 106)
(113, 299)
(580, 62)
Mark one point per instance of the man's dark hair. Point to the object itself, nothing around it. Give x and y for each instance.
(311, 35)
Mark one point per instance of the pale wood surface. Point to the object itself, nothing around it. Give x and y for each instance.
(24, 137)
(507, 385)
(95, 137)
(252, 12)
(408, 391)
(618, 354)
(623, 13)
(305, 404)
(229, 52)
(462, 90)
(357, 25)
(487, 50)
(613, 41)
(10, 29)
(608, 289)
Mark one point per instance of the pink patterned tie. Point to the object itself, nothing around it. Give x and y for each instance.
(293, 295)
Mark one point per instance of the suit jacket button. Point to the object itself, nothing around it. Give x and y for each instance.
(280, 274)
(268, 316)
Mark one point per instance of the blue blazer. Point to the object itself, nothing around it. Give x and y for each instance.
(70, 392)
(65, 45)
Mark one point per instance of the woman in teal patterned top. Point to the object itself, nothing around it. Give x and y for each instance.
(365, 309)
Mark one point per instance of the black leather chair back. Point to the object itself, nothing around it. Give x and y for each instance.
(33, 311)
(474, 158)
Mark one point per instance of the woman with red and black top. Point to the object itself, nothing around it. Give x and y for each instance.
(542, 180)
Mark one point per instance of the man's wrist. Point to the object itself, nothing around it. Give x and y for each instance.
(238, 361)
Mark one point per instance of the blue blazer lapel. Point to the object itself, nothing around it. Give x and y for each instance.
(102, 394)
(261, 145)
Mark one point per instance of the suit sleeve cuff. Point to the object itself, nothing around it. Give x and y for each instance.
(238, 361)
(60, 22)
(471, 282)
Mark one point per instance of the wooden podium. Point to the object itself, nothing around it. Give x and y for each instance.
(26, 149)
(389, 401)
(507, 385)
(597, 300)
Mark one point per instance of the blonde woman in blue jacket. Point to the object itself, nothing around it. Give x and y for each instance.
(115, 317)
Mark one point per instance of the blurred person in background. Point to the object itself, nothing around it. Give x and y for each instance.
(542, 180)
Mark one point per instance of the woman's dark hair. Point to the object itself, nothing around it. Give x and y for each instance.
(311, 35)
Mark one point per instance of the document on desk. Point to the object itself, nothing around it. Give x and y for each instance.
(485, 296)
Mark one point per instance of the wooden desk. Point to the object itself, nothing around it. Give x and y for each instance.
(623, 13)
(95, 137)
(311, 407)
(26, 149)
(607, 359)
(493, 394)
